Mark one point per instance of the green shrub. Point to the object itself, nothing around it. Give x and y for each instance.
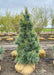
(1, 51)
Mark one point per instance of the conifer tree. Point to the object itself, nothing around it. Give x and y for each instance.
(27, 41)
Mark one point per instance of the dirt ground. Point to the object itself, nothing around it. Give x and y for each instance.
(42, 68)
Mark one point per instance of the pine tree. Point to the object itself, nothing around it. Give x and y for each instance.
(27, 41)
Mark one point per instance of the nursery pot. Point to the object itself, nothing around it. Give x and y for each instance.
(14, 54)
(53, 62)
(1, 34)
(9, 39)
(0, 39)
(0, 67)
(25, 69)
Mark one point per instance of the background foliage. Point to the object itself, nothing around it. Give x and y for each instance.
(39, 18)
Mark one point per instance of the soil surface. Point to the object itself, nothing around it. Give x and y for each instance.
(42, 68)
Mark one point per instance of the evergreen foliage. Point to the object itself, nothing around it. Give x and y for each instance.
(27, 41)
(1, 51)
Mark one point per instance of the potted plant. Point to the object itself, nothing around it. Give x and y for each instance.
(1, 52)
(0, 38)
(9, 39)
(2, 34)
(41, 38)
(50, 38)
(15, 34)
(42, 53)
(5, 37)
(14, 54)
(28, 46)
